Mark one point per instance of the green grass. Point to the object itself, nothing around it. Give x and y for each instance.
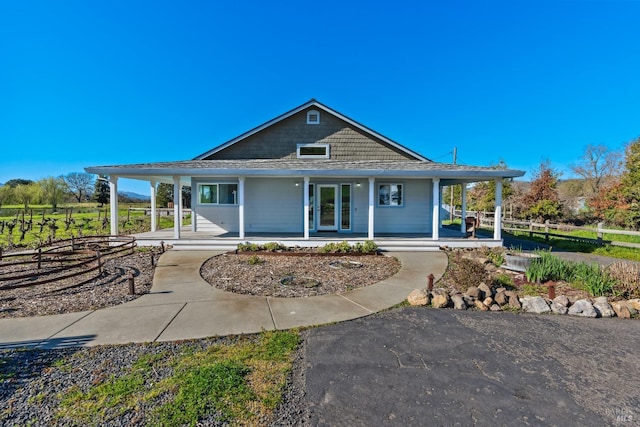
(85, 221)
(240, 382)
(573, 246)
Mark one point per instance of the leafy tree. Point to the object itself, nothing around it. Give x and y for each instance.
(53, 190)
(26, 194)
(619, 202)
(482, 196)
(542, 199)
(79, 184)
(13, 183)
(597, 165)
(102, 192)
(164, 195)
(6, 193)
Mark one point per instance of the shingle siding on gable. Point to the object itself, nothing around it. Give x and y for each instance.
(280, 141)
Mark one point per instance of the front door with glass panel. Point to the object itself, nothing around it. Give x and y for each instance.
(326, 200)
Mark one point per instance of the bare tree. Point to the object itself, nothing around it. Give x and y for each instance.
(597, 164)
(80, 184)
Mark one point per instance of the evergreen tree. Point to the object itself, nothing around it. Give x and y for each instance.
(102, 191)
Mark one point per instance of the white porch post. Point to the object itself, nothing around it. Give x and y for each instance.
(241, 207)
(113, 204)
(194, 204)
(177, 200)
(152, 191)
(435, 226)
(305, 218)
(371, 207)
(463, 208)
(497, 216)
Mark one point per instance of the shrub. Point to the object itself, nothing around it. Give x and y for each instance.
(627, 276)
(254, 260)
(274, 247)
(464, 273)
(248, 247)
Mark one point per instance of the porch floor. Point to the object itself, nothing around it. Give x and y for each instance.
(386, 241)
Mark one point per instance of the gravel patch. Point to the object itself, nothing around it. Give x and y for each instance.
(34, 382)
(81, 293)
(296, 276)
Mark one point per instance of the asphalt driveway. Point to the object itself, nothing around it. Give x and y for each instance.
(418, 366)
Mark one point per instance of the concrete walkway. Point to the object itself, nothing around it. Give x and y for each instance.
(181, 305)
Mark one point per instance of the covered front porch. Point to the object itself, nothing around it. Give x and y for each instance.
(193, 240)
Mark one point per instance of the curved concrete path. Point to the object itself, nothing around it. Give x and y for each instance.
(181, 305)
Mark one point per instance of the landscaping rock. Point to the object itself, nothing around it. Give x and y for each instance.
(480, 305)
(514, 302)
(603, 308)
(486, 290)
(501, 298)
(488, 301)
(468, 300)
(583, 308)
(495, 307)
(558, 308)
(536, 305)
(511, 294)
(440, 298)
(621, 309)
(501, 289)
(561, 300)
(458, 302)
(473, 292)
(634, 303)
(418, 297)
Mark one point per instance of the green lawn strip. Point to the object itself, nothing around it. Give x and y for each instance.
(573, 246)
(240, 382)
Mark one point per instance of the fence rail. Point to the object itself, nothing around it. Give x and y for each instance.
(548, 229)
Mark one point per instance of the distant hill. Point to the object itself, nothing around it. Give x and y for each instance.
(134, 196)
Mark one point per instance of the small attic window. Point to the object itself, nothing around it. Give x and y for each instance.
(313, 151)
(313, 117)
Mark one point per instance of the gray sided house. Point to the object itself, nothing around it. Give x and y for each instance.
(311, 172)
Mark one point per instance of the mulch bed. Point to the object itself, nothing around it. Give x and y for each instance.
(82, 293)
(275, 275)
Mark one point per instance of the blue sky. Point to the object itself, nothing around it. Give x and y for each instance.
(97, 83)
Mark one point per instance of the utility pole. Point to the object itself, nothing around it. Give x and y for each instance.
(451, 207)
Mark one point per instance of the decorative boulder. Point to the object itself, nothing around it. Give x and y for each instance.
(473, 292)
(514, 302)
(603, 308)
(583, 308)
(561, 300)
(418, 297)
(488, 301)
(486, 290)
(440, 298)
(501, 298)
(458, 302)
(621, 309)
(634, 303)
(558, 308)
(480, 305)
(495, 307)
(536, 305)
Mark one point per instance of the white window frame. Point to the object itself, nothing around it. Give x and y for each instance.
(390, 185)
(217, 185)
(311, 113)
(326, 155)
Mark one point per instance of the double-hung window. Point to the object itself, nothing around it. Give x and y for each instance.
(218, 194)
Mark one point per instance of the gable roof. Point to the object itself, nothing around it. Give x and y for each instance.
(320, 106)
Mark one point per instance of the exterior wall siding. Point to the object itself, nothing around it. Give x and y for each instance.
(273, 205)
(276, 205)
(280, 141)
(414, 216)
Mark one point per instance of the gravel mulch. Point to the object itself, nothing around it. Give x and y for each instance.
(81, 293)
(296, 276)
(34, 382)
